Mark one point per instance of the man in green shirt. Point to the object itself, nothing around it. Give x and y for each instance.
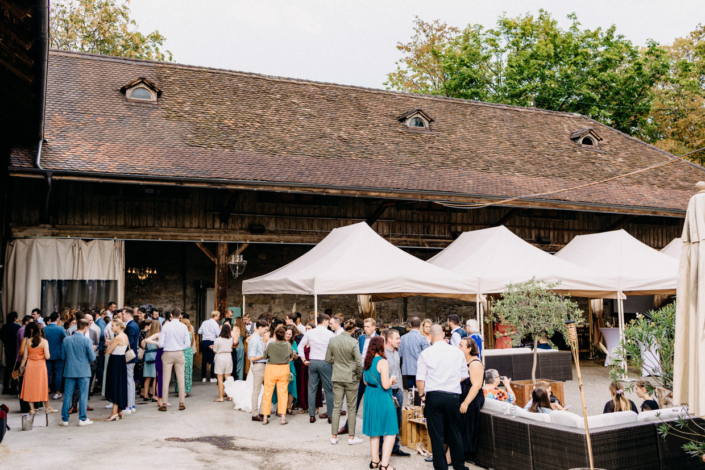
(344, 353)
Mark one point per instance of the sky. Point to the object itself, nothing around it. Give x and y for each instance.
(354, 42)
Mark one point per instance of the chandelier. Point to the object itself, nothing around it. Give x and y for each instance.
(237, 265)
(142, 273)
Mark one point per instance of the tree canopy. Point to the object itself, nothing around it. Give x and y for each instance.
(102, 27)
(654, 92)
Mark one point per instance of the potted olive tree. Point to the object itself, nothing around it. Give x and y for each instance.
(534, 310)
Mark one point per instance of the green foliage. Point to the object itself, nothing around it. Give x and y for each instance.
(102, 27)
(688, 430)
(533, 309)
(657, 329)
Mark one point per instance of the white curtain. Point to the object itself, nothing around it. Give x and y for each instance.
(28, 262)
(366, 307)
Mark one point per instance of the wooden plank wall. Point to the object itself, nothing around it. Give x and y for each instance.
(106, 210)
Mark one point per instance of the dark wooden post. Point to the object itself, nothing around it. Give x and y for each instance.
(221, 279)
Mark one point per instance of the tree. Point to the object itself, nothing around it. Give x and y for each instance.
(419, 71)
(530, 61)
(679, 105)
(102, 27)
(534, 310)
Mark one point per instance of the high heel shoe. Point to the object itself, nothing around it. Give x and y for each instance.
(113, 418)
(50, 411)
(32, 412)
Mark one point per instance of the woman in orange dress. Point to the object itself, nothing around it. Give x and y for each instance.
(35, 386)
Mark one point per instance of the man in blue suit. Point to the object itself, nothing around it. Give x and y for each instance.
(77, 353)
(132, 330)
(370, 327)
(55, 335)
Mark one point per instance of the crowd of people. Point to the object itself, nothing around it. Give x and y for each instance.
(293, 367)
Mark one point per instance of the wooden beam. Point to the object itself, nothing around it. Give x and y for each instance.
(379, 212)
(621, 222)
(383, 194)
(506, 217)
(239, 251)
(221, 279)
(207, 252)
(228, 207)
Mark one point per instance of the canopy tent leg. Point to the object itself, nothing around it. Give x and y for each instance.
(620, 315)
(315, 308)
(243, 306)
(590, 327)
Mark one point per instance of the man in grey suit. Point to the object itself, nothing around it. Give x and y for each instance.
(77, 354)
(344, 354)
(94, 336)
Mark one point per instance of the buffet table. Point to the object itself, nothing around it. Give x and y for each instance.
(516, 363)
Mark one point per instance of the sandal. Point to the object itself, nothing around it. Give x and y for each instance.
(303, 411)
(374, 464)
(228, 399)
(284, 422)
(421, 450)
(113, 418)
(49, 411)
(290, 412)
(386, 467)
(32, 412)
(218, 400)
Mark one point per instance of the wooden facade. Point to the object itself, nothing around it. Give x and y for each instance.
(175, 212)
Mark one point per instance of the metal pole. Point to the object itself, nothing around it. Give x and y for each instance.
(620, 313)
(243, 306)
(315, 308)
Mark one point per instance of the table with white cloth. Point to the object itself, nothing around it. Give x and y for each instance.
(611, 336)
(651, 361)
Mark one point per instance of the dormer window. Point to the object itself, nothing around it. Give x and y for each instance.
(141, 90)
(416, 120)
(586, 137)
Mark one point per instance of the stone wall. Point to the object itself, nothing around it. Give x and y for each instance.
(183, 270)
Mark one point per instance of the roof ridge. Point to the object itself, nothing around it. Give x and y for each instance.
(59, 52)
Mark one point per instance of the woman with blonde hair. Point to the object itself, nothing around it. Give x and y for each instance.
(426, 329)
(116, 384)
(239, 331)
(618, 402)
(150, 359)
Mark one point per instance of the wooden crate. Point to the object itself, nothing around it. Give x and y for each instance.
(418, 433)
(523, 388)
(407, 433)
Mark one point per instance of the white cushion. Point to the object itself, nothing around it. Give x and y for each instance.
(658, 415)
(494, 405)
(542, 417)
(566, 418)
(611, 419)
(505, 352)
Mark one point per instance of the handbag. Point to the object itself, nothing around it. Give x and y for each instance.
(394, 399)
(140, 353)
(129, 354)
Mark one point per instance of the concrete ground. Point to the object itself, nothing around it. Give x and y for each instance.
(208, 435)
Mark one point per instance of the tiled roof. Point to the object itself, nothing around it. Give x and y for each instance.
(224, 125)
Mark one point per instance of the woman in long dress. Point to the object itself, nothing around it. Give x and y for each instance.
(188, 358)
(116, 385)
(240, 331)
(150, 358)
(379, 416)
(35, 386)
(471, 398)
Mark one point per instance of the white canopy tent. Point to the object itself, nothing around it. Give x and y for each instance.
(496, 257)
(356, 260)
(639, 269)
(674, 248)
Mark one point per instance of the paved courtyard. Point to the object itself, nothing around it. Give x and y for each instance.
(208, 435)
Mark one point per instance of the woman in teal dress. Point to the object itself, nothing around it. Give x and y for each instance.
(188, 365)
(379, 416)
(239, 366)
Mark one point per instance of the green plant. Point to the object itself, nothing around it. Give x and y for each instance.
(648, 339)
(689, 430)
(534, 310)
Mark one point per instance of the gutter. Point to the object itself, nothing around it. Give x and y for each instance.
(41, 13)
(334, 190)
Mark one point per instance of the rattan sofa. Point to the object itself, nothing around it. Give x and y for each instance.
(508, 443)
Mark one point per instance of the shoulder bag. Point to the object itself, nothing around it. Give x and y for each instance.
(129, 354)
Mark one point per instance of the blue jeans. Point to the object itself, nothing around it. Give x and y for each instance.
(69, 386)
(55, 367)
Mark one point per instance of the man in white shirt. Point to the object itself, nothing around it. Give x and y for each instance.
(174, 338)
(440, 370)
(209, 331)
(301, 327)
(456, 332)
(37, 315)
(318, 369)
